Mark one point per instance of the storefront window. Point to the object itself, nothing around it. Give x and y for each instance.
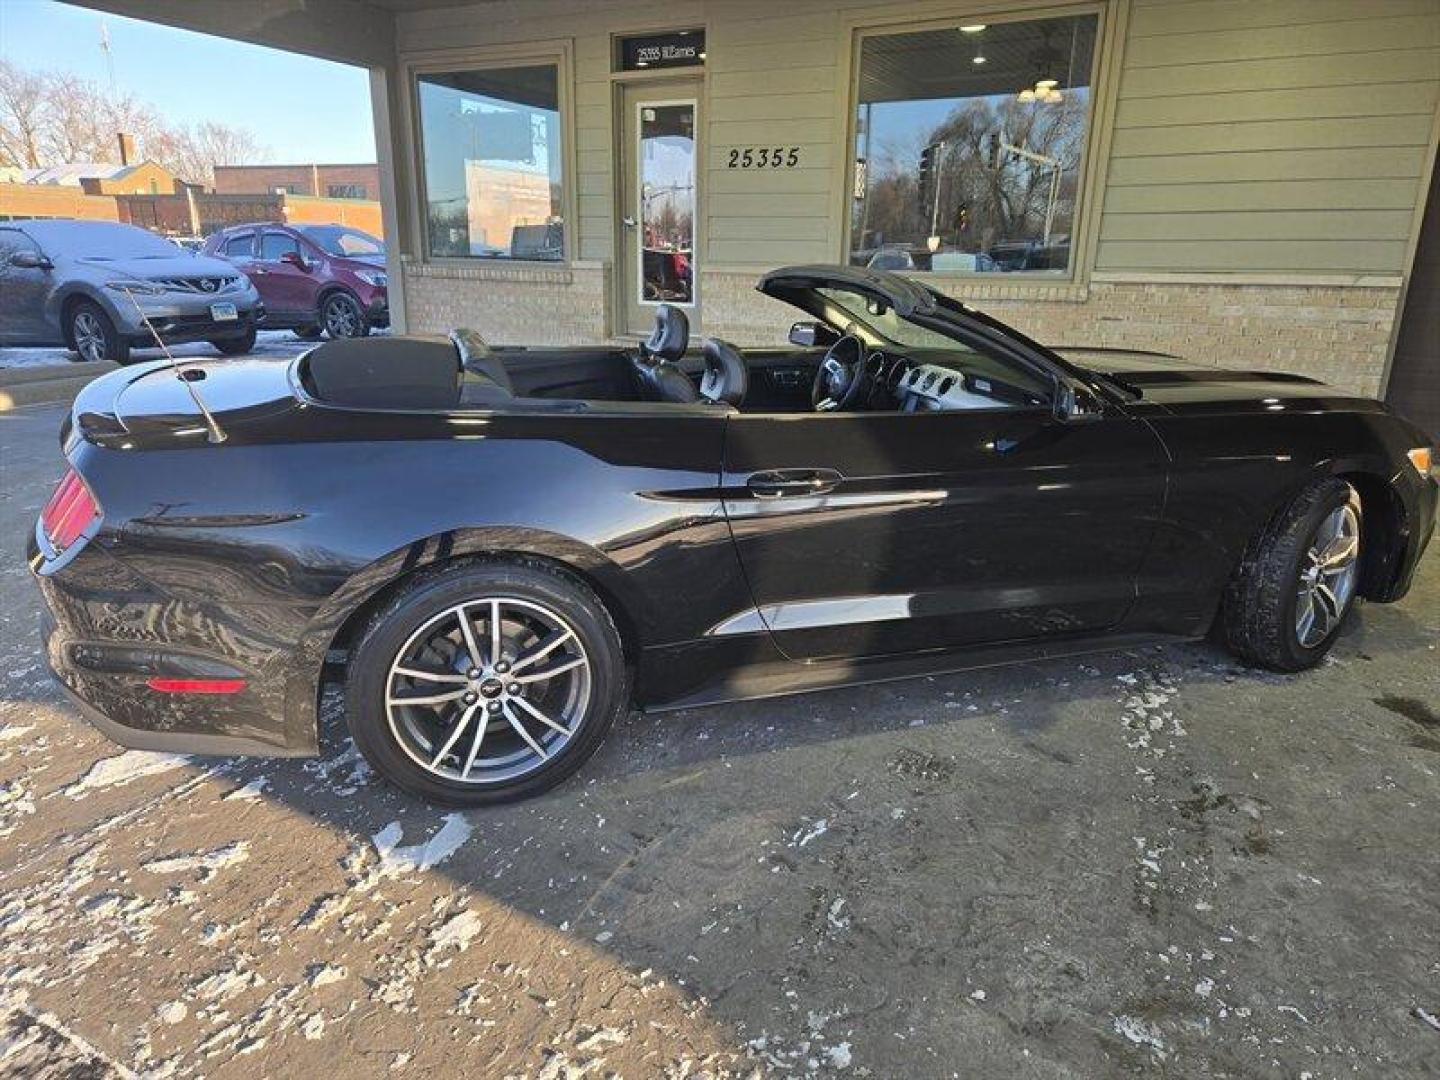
(969, 142)
(492, 153)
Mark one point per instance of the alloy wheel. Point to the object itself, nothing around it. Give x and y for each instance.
(488, 691)
(1327, 576)
(342, 317)
(88, 335)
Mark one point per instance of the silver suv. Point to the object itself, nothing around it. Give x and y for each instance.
(85, 284)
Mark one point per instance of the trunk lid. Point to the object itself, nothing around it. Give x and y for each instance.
(149, 405)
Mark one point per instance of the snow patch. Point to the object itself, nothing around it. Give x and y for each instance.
(209, 863)
(1139, 1032)
(124, 769)
(396, 861)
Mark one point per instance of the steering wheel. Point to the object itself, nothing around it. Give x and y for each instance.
(840, 379)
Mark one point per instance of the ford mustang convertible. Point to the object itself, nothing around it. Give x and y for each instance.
(497, 550)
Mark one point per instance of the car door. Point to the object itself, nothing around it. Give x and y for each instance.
(288, 289)
(878, 533)
(23, 291)
(239, 249)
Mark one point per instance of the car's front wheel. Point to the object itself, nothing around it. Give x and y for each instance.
(1296, 585)
(486, 682)
(342, 316)
(236, 346)
(92, 335)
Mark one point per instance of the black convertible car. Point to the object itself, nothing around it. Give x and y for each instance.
(498, 550)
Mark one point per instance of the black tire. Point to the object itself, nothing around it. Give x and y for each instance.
(342, 316)
(236, 346)
(390, 631)
(92, 336)
(309, 333)
(1258, 615)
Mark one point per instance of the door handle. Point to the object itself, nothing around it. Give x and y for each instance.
(782, 483)
(628, 222)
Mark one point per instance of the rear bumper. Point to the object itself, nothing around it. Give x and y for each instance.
(103, 634)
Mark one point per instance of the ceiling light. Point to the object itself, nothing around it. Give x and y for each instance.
(977, 59)
(1046, 84)
(973, 28)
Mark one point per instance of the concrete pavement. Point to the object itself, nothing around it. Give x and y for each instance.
(1150, 861)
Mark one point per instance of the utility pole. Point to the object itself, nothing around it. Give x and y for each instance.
(109, 54)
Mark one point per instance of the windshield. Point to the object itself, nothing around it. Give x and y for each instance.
(882, 322)
(99, 241)
(338, 240)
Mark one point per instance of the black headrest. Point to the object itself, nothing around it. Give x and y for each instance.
(476, 357)
(727, 379)
(386, 372)
(671, 335)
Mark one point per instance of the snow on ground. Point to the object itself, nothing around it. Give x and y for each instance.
(269, 343)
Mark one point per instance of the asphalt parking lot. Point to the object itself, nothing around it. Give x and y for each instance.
(1144, 862)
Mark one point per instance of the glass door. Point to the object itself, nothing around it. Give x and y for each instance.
(660, 203)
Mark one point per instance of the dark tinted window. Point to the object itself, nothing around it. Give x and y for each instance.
(274, 244)
(239, 247)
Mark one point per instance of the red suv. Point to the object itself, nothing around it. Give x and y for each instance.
(312, 278)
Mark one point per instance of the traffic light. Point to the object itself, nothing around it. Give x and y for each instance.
(927, 174)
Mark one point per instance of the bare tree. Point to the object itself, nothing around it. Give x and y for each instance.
(49, 118)
(22, 107)
(193, 154)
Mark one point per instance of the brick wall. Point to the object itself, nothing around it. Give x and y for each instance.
(1338, 333)
(527, 305)
(306, 179)
(54, 201)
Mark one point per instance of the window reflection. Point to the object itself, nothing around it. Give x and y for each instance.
(492, 152)
(969, 146)
(667, 202)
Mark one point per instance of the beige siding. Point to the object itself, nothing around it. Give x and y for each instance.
(1267, 136)
(1270, 136)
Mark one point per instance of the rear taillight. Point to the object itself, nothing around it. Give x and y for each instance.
(69, 512)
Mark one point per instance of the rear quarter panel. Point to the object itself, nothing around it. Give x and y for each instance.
(267, 547)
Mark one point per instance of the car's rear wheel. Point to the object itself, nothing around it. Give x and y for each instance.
(342, 316)
(92, 335)
(236, 346)
(486, 682)
(1288, 600)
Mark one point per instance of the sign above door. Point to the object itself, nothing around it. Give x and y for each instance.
(652, 52)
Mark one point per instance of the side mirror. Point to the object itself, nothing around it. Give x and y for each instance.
(809, 335)
(295, 259)
(1074, 403)
(31, 260)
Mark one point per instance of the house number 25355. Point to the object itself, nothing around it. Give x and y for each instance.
(763, 157)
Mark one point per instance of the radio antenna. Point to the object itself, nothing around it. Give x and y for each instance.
(215, 433)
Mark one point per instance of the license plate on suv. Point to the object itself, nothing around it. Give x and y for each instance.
(223, 312)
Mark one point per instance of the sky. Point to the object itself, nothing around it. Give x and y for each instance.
(300, 109)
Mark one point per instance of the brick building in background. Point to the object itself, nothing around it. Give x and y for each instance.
(357, 181)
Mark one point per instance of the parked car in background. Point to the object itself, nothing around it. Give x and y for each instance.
(91, 286)
(312, 278)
